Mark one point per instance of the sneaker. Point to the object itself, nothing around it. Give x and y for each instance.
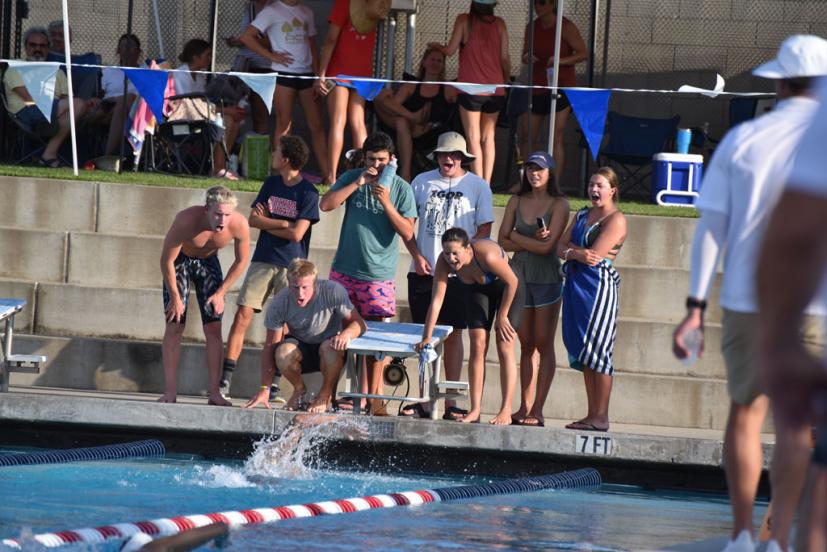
(743, 543)
(274, 392)
(224, 389)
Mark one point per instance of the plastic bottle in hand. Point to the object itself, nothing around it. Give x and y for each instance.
(692, 342)
(386, 178)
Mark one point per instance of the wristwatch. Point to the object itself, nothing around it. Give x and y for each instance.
(693, 303)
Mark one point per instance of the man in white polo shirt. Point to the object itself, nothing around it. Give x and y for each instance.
(740, 188)
(793, 264)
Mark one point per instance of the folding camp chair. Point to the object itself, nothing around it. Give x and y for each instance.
(185, 141)
(31, 140)
(632, 141)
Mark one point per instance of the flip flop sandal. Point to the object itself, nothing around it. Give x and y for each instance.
(49, 163)
(454, 413)
(414, 410)
(343, 405)
(225, 173)
(530, 421)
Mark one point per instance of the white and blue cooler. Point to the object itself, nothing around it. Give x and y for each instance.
(676, 178)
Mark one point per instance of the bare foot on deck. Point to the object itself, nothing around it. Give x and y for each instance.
(165, 398)
(319, 405)
(473, 417)
(503, 418)
(215, 399)
(297, 400)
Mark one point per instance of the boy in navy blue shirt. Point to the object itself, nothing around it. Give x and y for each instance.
(284, 210)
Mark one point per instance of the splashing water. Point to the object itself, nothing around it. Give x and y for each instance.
(296, 453)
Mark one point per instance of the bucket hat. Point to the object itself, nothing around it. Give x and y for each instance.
(798, 56)
(449, 142)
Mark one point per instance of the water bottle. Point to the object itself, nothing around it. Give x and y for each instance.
(233, 163)
(692, 342)
(386, 178)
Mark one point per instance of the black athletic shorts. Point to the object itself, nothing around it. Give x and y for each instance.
(481, 309)
(311, 362)
(205, 275)
(541, 103)
(452, 312)
(290, 81)
(486, 104)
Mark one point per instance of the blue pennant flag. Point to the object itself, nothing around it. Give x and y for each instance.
(151, 85)
(590, 108)
(264, 85)
(476, 89)
(39, 79)
(368, 89)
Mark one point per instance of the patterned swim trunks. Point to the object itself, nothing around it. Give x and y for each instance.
(374, 299)
(206, 277)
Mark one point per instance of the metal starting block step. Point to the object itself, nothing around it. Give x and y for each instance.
(24, 363)
(457, 386)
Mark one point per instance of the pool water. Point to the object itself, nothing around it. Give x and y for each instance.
(37, 499)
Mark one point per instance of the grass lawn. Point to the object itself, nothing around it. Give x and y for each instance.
(157, 179)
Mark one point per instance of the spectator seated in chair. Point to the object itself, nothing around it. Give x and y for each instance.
(22, 106)
(197, 56)
(418, 112)
(116, 91)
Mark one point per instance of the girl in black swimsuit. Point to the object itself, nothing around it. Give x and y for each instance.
(416, 109)
(496, 300)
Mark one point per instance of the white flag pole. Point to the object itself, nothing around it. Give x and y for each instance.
(157, 29)
(68, 54)
(551, 116)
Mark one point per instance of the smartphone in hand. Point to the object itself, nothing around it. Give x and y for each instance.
(541, 224)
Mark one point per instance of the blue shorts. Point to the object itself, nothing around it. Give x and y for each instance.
(32, 117)
(205, 275)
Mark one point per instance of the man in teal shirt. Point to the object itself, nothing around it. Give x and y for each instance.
(379, 207)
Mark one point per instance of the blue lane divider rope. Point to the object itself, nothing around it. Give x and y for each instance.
(135, 449)
(586, 477)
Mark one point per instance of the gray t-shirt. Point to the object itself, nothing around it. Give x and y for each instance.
(318, 320)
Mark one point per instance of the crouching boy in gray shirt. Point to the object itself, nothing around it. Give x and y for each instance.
(320, 321)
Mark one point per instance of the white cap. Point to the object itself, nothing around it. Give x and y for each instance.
(798, 56)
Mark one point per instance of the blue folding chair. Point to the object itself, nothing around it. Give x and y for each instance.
(632, 141)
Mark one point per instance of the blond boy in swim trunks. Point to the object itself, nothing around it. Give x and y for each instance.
(190, 254)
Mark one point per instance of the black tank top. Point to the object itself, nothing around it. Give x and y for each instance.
(440, 108)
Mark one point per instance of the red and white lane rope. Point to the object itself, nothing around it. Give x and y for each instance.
(164, 527)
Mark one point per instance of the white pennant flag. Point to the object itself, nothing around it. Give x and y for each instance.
(475, 89)
(263, 85)
(39, 78)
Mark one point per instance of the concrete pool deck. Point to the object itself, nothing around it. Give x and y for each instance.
(649, 455)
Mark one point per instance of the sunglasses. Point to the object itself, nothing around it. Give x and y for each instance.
(542, 2)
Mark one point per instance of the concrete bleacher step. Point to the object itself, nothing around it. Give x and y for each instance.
(89, 269)
(133, 262)
(642, 346)
(148, 211)
(132, 365)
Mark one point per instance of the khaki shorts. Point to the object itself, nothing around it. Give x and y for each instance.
(738, 337)
(262, 279)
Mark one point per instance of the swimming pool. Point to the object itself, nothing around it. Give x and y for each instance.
(38, 499)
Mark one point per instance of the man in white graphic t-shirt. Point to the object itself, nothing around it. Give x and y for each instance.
(448, 196)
